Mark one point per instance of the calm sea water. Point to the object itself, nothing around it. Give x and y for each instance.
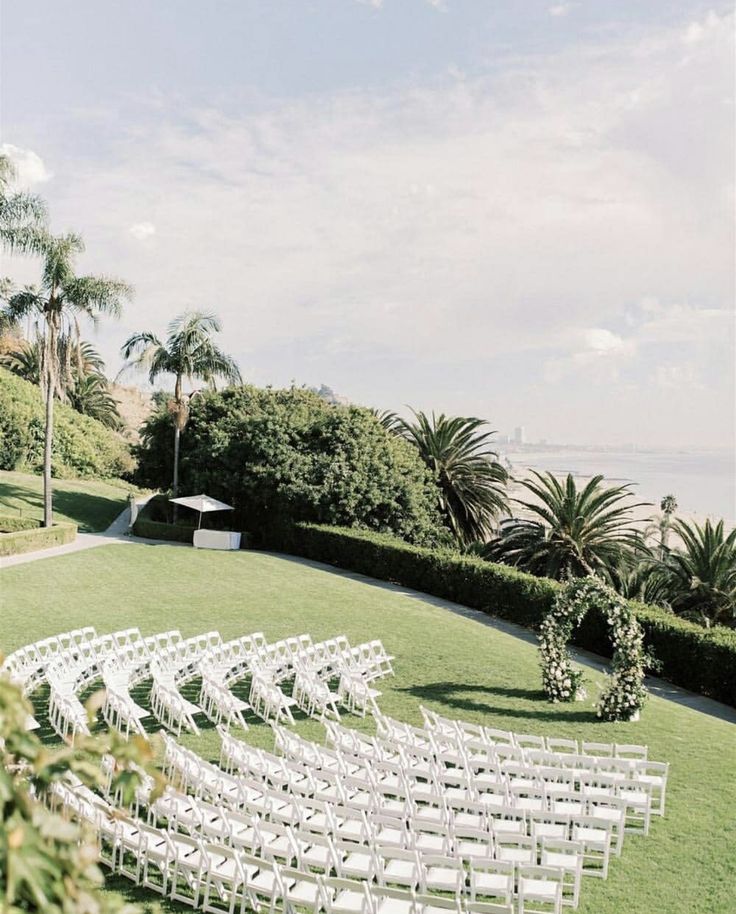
(704, 483)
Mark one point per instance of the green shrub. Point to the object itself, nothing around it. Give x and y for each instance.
(699, 659)
(281, 456)
(12, 523)
(30, 540)
(82, 446)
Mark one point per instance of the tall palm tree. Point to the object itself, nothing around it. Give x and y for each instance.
(668, 506)
(700, 576)
(188, 353)
(578, 532)
(470, 478)
(57, 306)
(22, 215)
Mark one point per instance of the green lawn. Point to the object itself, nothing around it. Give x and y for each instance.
(91, 504)
(458, 666)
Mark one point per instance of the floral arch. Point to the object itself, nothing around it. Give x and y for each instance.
(624, 695)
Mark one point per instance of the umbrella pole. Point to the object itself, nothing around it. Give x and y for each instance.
(199, 525)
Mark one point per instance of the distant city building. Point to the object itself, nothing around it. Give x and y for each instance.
(519, 434)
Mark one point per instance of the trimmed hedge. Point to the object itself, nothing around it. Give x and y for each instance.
(12, 523)
(30, 540)
(699, 659)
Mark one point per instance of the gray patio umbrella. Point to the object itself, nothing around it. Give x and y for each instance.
(202, 503)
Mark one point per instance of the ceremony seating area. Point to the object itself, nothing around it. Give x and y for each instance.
(449, 816)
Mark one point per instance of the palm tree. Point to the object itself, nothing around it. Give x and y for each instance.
(470, 478)
(22, 215)
(57, 306)
(667, 506)
(700, 576)
(578, 532)
(189, 353)
(90, 395)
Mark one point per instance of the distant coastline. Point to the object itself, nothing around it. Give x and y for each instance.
(702, 481)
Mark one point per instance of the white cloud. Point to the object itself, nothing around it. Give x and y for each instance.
(367, 233)
(598, 339)
(697, 31)
(560, 9)
(142, 231)
(30, 167)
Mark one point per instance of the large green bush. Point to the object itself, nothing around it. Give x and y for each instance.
(281, 456)
(82, 446)
(703, 660)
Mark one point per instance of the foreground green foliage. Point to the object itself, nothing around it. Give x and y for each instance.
(286, 455)
(81, 446)
(455, 665)
(471, 481)
(89, 504)
(577, 533)
(694, 657)
(47, 864)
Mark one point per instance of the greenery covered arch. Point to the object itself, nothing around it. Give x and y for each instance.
(624, 695)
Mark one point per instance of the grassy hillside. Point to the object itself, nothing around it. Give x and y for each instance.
(90, 504)
(82, 446)
(451, 663)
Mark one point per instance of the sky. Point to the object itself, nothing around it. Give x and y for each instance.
(519, 211)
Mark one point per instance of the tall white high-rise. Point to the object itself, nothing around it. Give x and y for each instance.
(519, 434)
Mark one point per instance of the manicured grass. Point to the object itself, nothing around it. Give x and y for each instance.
(453, 664)
(91, 504)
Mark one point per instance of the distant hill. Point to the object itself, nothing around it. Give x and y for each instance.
(329, 395)
(134, 406)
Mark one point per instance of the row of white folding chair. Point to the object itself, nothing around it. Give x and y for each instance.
(26, 665)
(118, 678)
(370, 659)
(491, 855)
(216, 877)
(267, 700)
(301, 847)
(399, 797)
(170, 707)
(384, 864)
(220, 705)
(601, 829)
(467, 730)
(67, 715)
(357, 696)
(647, 795)
(472, 780)
(121, 714)
(313, 696)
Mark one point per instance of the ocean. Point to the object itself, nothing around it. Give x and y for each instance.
(704, 482)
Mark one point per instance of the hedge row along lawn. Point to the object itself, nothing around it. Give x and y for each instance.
(702, 660)
(91, 504)
(453, 664)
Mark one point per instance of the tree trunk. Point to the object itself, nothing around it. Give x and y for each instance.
(175, 483)
(48, 508)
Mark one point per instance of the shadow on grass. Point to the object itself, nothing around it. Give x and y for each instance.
(456, 695)
(92, 513)
(144, 898)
